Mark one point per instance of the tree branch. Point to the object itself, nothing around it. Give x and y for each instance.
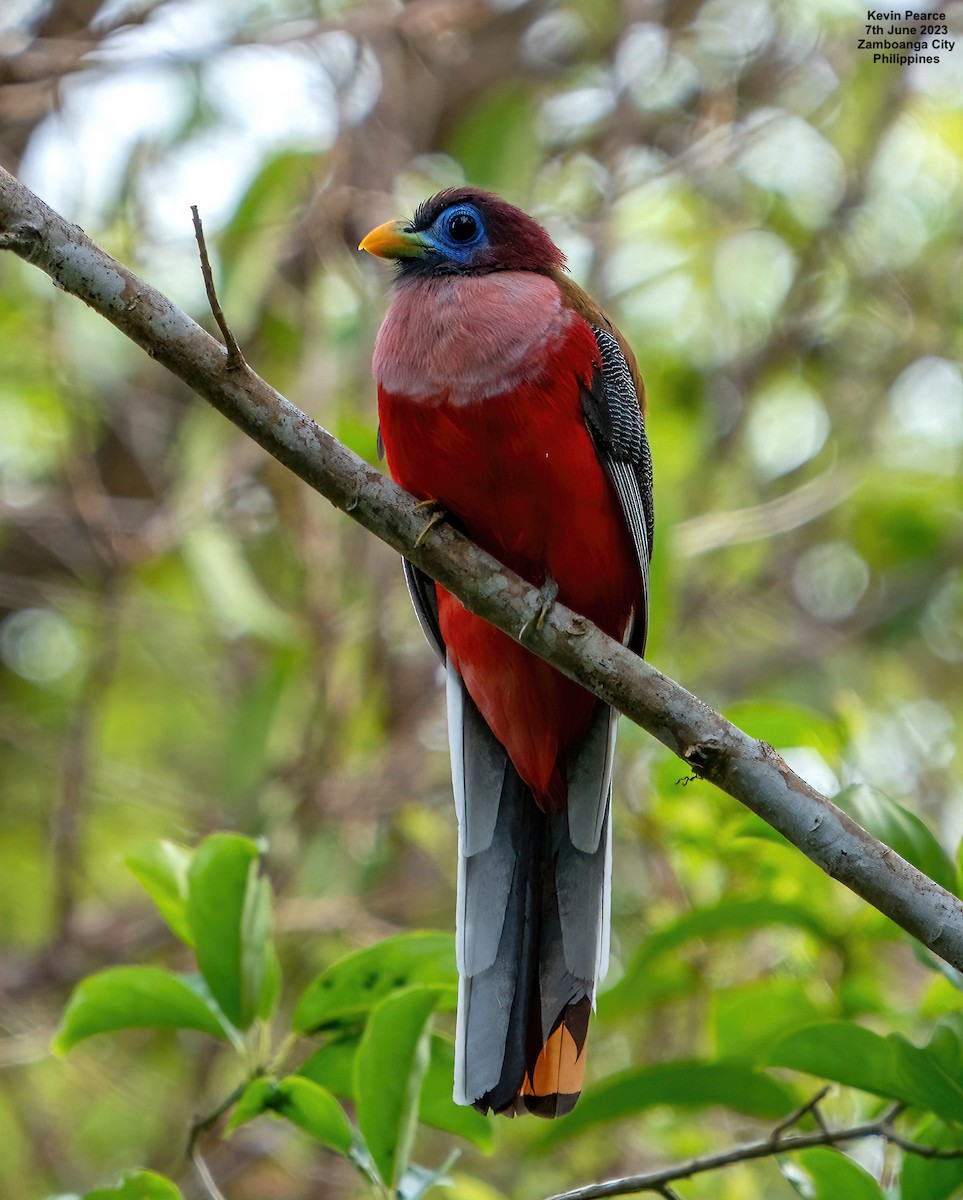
(776, 1143)
(749, 770)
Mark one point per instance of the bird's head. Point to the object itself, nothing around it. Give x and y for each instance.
(464, 231)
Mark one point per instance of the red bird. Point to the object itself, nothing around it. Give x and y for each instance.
(506, 396)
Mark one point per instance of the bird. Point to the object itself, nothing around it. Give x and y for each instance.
(509, 401)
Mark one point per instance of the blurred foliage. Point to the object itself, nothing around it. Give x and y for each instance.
(372, 1012)
(191, 641)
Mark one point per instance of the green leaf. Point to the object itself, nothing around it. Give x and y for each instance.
(931, 1076)
(332, 1065)
(734, 916)
(726, 917)
(926, 1077)
(271, 987)
(831, 1176)
(138, 1185)
(843, 1052)
(388, 1071)
(229, 909)
(675, 979)
(749, 1019)
(133, 998)
(932, 1178)
(682, 1084)
(300, 1101)
(900, 829)
(946, 1042)
(260, 970)
(161, 869)
(254, 1100)
(933, 962)
(350, 988)
(437, 1108)
(313, 1109)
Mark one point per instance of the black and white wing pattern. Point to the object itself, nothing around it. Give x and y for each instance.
(614, 418)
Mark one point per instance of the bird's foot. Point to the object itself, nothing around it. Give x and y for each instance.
(547, 595)
(436, 514)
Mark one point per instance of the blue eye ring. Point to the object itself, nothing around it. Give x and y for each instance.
(460, 228)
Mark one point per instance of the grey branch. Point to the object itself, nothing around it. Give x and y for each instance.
(713, 748)
(777, 1143)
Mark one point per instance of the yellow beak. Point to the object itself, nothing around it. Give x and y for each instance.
(393, 240)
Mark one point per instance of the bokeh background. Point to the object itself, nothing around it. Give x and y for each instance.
(192, 640)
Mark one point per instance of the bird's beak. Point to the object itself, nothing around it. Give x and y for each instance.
(394, 240)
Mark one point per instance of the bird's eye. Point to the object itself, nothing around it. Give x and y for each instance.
(462, 228)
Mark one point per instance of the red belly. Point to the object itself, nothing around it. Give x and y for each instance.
(520, 474)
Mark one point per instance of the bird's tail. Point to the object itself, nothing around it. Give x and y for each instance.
(532, 925)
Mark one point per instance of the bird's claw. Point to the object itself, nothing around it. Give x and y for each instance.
(547, 595)
(436, 515)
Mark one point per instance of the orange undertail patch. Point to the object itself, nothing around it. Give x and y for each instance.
(552, 1086)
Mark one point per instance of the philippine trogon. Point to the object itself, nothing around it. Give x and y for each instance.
(506, 396)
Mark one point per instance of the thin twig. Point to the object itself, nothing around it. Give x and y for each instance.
(811, 1106)
(659, 1182)
(818, 1116)
(235, 359)
(202, 1124)
(206, 1178)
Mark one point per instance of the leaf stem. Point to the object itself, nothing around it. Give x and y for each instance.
(202, 1124)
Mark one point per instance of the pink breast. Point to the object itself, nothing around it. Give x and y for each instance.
(468, 337)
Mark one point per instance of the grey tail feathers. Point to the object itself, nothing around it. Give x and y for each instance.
(532, 922)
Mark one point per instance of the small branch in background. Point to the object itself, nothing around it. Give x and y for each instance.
(235, 359)
(205, 1176)
(659, 1182)
(715, 530)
